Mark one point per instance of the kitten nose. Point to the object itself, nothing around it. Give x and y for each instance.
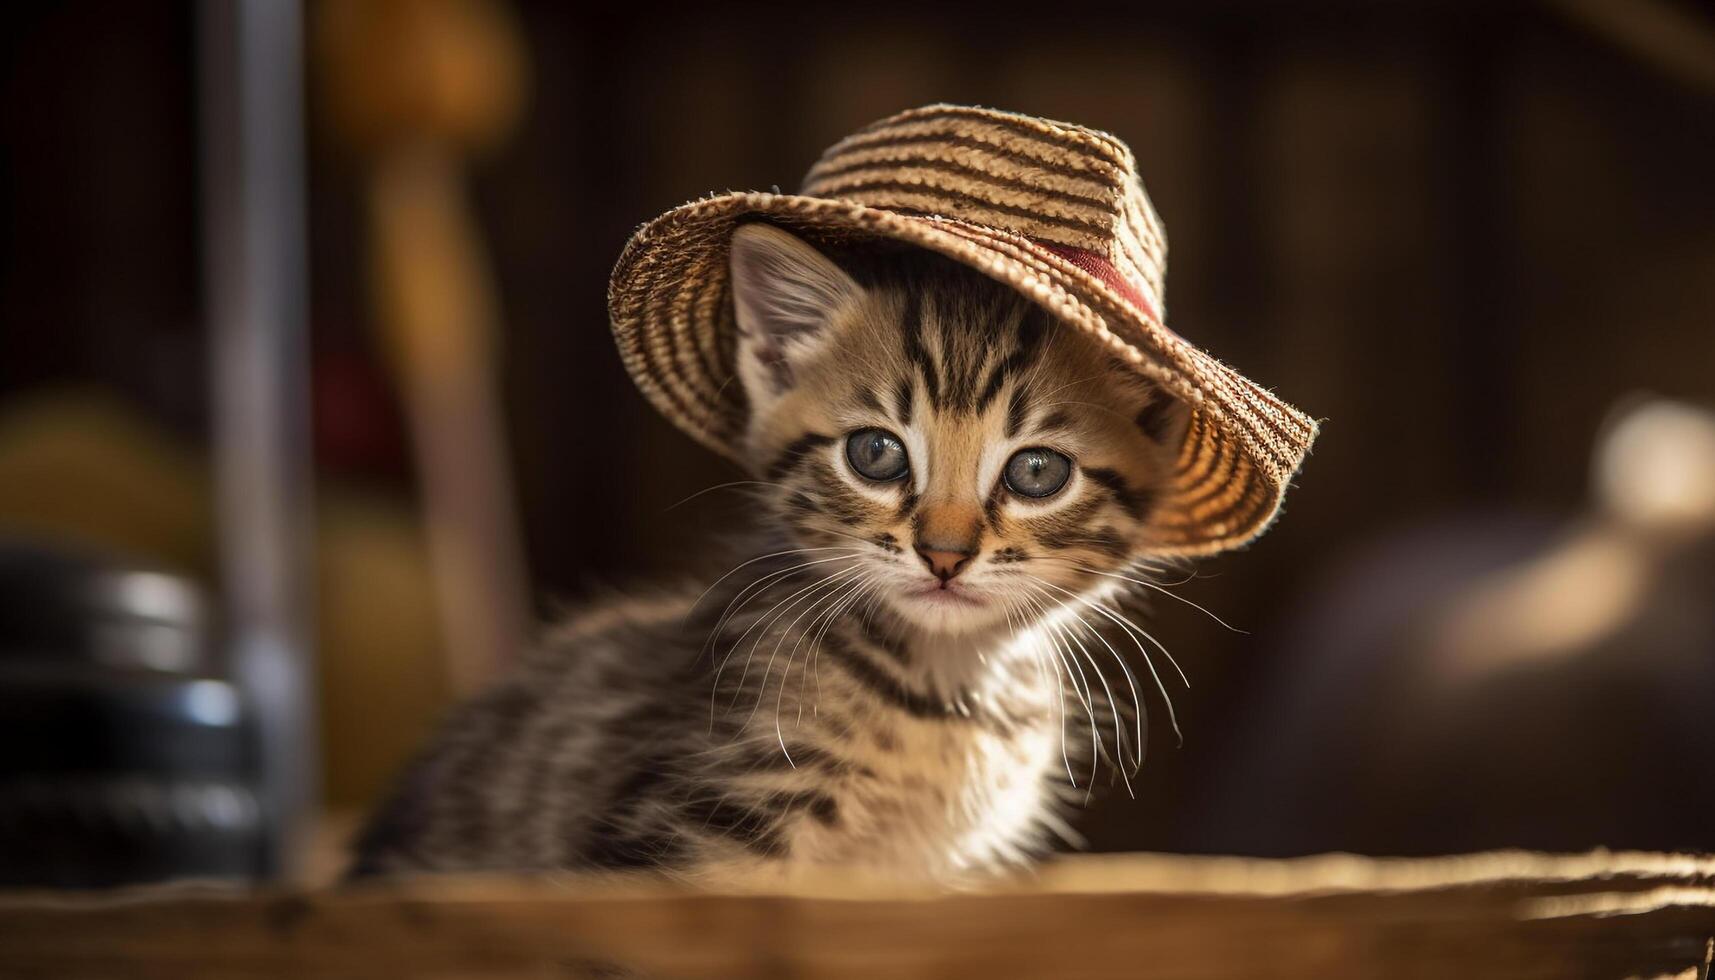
(944, 564)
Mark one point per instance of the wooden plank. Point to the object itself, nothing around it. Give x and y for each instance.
(1496, 915)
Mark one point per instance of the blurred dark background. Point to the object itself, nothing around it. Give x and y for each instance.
(1463, 234)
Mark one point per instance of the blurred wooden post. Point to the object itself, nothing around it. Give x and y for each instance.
(254, 269)
(419, 87)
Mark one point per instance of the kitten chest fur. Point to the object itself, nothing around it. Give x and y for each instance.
(940, 796)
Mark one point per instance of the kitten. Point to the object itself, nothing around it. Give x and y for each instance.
(902, 677)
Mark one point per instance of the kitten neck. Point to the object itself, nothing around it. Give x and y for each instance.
(954, 664)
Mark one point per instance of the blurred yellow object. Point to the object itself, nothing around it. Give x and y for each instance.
(80, 467)
(418, 86)
(404, 71)
(382, 685)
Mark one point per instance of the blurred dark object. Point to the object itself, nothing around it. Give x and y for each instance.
(1507, 680)
(123, 755)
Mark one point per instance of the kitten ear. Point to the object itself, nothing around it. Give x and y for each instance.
(785, 293)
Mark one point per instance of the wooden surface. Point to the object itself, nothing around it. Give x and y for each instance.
(1494, 915)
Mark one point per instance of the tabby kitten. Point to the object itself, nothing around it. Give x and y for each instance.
(904, 677)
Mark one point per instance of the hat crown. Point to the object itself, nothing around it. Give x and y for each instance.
(1058, 184)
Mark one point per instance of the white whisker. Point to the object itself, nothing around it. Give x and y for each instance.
(835, 584)
(1060, 699)
(778, 612)
(1161, 589)
(1085, 697)
(1137, 704)
(1172, 715)
(760, 621)
(815, 663)
(833, 602)
(721, 486)
(757, 587)
(735, 568)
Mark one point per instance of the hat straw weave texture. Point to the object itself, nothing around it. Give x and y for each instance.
(1054, 210)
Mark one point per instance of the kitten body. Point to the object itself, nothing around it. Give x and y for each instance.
(904, 675)
(613, 747)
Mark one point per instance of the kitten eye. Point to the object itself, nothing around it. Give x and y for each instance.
(1037, 472)
(877, 454)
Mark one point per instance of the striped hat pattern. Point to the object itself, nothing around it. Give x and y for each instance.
(1053, 210)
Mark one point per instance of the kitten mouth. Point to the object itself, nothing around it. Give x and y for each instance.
(946, 594)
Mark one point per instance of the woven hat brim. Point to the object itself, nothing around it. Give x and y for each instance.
(673, 321)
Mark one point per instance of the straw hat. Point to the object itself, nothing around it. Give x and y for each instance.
(1054, 210)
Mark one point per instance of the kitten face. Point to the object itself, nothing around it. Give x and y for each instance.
(964, 459)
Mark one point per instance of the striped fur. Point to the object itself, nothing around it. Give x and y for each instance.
(830, 701)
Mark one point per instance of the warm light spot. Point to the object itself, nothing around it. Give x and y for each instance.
(1655, 481)
(1559, 605)
(1656, 468)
